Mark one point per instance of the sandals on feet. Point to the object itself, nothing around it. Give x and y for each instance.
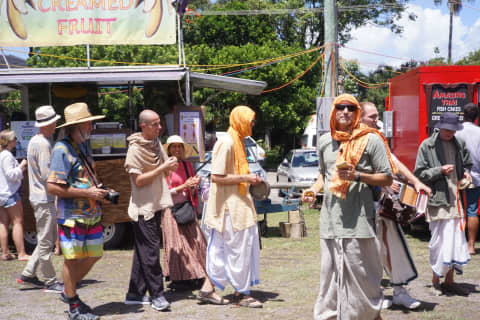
(8, 256)
(249, 302)
(207, 297)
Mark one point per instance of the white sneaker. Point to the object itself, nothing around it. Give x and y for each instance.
(404, 299)
(386, 303)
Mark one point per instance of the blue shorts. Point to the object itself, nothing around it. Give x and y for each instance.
(12, 200)
(472, 196)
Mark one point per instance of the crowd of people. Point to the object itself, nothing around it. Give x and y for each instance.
(356, 243)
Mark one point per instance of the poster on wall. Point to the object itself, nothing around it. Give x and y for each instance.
(446, 98)
(189, 128)
(36, 23)
(24, 131)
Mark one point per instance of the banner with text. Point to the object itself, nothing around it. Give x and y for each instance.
(35, 23)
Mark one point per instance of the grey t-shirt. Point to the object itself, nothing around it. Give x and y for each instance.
(471, 135)
(353, 217)
(39, 154)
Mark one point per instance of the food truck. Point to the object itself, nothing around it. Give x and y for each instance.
(418, 97)
(60, 87)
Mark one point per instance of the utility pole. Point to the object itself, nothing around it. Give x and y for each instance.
(324, 104)
(331, 53)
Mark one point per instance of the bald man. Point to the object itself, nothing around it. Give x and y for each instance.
(148, 165)
(397, 260)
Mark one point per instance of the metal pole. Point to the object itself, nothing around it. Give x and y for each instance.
(88, 56)
(179, 41)
(331, 54)
(5, 58)
(130, 108)
(187, 89)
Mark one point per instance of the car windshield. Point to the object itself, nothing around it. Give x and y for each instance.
(305, 159)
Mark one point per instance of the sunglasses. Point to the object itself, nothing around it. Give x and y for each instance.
(342, 107)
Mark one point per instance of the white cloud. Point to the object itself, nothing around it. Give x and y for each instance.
(417, 42)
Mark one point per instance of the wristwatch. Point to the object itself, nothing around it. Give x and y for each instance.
(357, 178)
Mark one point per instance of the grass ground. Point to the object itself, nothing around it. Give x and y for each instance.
(289, 284)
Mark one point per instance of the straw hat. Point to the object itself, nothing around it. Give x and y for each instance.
(78, 113)
(177, 139)
(45, 115)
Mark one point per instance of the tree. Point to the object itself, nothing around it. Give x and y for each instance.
(454, 7)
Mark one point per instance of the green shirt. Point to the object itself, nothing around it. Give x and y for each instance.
(353, 217)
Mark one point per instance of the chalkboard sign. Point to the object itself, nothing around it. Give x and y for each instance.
(446, 98)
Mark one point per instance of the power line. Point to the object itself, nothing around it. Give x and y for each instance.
(290, 11)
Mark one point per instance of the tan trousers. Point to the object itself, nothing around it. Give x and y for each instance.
(40, 261)
(351, 272)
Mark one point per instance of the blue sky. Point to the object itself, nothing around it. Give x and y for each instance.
(419, 38)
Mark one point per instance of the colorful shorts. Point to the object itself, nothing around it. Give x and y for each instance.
(82, 240)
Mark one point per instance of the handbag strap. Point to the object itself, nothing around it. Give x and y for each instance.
(186, 169)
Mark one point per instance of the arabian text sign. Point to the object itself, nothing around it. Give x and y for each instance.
(30, 23)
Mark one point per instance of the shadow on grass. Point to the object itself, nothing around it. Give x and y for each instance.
(117, 308)
(262, 296)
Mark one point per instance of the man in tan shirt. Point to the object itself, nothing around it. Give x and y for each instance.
(233, 253)
(147, 164)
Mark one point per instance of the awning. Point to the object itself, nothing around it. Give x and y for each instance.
(104, 76)
(203, 80)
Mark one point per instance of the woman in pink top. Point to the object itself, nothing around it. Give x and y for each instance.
(184, 244)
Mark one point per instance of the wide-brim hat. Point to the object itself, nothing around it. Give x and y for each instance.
(177, 139)
(45, 115)
(78, 113)
(449, 121)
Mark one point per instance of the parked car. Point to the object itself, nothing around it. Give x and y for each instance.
(300, 165)
(258, 151)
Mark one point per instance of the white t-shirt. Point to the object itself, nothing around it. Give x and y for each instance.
(471, 135)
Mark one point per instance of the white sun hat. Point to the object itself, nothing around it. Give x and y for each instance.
(45, 115)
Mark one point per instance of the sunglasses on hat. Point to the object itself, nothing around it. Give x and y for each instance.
(350, 107)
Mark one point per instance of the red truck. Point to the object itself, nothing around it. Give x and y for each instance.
(417, 99)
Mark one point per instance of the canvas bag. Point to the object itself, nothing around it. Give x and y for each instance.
(184, 212)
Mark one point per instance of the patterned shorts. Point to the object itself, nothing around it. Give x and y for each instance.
(81, 241)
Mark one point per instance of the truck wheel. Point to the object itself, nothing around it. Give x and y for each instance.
(30, 240)
(113, 235)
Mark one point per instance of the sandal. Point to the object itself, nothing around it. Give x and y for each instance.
(250, 302)
(207, 297)
(8, 257)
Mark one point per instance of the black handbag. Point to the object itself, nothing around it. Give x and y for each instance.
(184, 212)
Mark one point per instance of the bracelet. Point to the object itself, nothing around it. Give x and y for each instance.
(357, 178)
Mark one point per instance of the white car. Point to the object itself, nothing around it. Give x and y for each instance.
(258, 151)
(300, 165)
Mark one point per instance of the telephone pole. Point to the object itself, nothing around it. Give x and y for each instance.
(331, 53)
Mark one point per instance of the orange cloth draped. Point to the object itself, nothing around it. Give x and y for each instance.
(241, 118)
(352, 144)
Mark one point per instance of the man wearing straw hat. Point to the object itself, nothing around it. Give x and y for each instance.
(352, 157)
(442, 162)
(73, 180)
(147, 165)
(38, 155)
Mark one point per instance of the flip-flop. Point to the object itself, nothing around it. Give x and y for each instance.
(8, 257)
(24, 258)
(250, 302)
(206, 297)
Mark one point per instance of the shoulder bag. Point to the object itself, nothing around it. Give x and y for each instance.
(184, 212)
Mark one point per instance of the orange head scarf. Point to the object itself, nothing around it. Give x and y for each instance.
(241, 118)
(352, 143)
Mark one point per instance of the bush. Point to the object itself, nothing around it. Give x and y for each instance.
(273, 157)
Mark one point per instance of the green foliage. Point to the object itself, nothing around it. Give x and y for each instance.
(273, 157)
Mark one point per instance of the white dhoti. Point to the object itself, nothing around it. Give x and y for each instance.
(448, 246)
(351, 272)
(234, 257)
(396, 257)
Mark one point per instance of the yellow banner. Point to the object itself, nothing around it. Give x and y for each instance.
(35, 23)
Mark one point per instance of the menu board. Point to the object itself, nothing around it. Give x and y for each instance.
(189, 128)
(447, 99)
(24, 131)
